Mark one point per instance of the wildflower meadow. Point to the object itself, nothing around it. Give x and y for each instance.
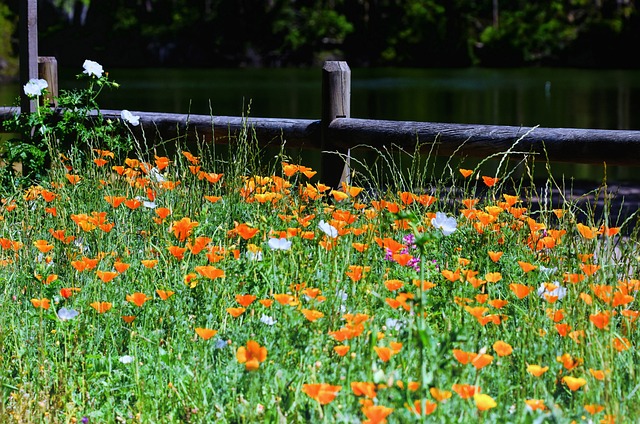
(204, 285)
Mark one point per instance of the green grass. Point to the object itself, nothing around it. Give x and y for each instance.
(158, 369)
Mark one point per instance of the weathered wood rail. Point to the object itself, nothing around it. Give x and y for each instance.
(337, 131)
(615, 147)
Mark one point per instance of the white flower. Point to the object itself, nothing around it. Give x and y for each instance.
(92, 68)
(254, 256)
(156, 175)
(547, 271)
(446, 224)
(34, 87)
(328, 229)
(130, 118)
(267, 320)
(279, 244)
(393, 324)
(558, 291)
(146, 203)
(66, 314)
(126, 359)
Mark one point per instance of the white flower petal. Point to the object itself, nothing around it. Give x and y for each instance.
(279, 244)
(65, 314)
(446, 224)
(328, 229)
(267, 320)
(35, 87)
(126, 359)
(130, 118)
(92, 68)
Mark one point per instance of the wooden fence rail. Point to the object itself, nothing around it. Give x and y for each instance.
(615, 147)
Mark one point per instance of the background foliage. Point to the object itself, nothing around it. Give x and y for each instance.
(218, 33)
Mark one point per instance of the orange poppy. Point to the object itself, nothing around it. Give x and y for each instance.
(495, 256)
(165, 294)
(536, 370)
(43, 303)
(490, 181)
(193, 159)
(439, 395)
(120, 266)
(376, 414)
(199, 244)
(502, 348)
(341, 350)
(235, 312)
(597, 374)
(137, 298)
(132, 203)
(393, 284)
(101, 307)
(429, 407)
(183, 228)
(106, 276)
(357, 272)
(568, 361)
(384, 353)
(364, 388)
(251, 355)
(484, 402)
(594, 408)
(563, 329)
(177, 252)
(493, 277)
(520, 290)
(498, 303)
(465, 391)
(43, 246)
(284, 299)
(321, 392)
(573, 383)
(245, 299)
(312, 315)
(526, 266)
(67, 292)
(205, 333)
(451, 275)
(535, 404)
(589, 270)
(600, 320)
(115, 201)
(209, 271)
(149, 263)
(73, 179)
(465, 172)
(621, 343)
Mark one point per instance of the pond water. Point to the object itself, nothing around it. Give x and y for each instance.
(606, 99)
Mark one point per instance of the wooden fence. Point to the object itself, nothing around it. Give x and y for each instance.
(337, 131)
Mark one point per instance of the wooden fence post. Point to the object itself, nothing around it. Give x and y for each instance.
(28, 50)
(336, 103)
(48, 70)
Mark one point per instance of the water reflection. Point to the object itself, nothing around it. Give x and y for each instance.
(607, 99)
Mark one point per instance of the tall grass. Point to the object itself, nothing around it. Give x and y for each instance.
(393, 316)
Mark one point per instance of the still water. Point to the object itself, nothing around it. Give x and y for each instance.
(606, 99)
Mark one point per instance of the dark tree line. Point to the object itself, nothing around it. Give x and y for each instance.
(423, 33)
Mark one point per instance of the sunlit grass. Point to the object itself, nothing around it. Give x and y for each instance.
(196, 288)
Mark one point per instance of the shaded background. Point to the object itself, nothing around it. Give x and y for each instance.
(277, 33)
